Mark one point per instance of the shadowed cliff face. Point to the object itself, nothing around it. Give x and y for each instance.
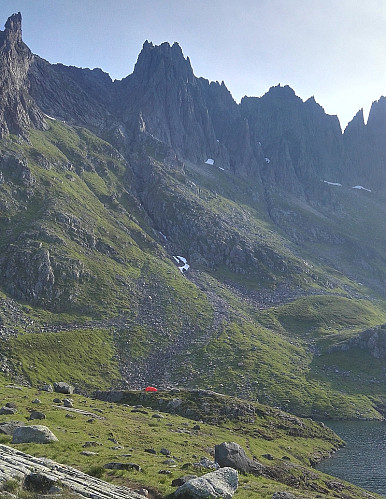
(278, 138)
(163, 100)
(365, 146)
(302, 144)
(17, 111)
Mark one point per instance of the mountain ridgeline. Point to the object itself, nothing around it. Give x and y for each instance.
(201, 241)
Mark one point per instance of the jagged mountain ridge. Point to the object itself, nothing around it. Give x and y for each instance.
(99, 194)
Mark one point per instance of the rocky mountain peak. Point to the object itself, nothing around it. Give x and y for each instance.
(283, 92)
(12, 30)
(162, 61)
(357, 123)
(377, 115)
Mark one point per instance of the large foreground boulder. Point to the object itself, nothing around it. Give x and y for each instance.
(37, 433)
(221, 483)
(233, 455)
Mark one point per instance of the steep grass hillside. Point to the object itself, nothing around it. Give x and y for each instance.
(88, 240)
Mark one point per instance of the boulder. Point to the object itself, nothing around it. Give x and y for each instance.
(47, 388)
(221, 483)
(37, 415)
(122, 466)
(233, 455)
(62, 387)
(68, 403)
(7, 410)
(38, 434)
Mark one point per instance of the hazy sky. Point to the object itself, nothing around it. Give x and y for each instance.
(332, 49)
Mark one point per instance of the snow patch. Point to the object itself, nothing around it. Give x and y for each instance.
(163, 235)
(220, 168)
(361, 187)
(209, 161)
(267, 160)
(180, 259)
(50, 117)
(332, 183)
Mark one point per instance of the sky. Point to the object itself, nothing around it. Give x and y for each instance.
(333, 50)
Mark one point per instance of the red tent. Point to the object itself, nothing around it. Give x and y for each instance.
(151, 389)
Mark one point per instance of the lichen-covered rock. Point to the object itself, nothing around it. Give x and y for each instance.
(38, 434)
(221, 483)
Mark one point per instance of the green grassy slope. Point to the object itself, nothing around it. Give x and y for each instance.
(271, 432)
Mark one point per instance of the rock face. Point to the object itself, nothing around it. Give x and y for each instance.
(40, 474)
(37, 433)
(365, 146)
(163, 100)
(221, 483)
(302, 144)
(233, 455)
(17, 110)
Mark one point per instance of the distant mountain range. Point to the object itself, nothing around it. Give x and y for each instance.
(204, 243)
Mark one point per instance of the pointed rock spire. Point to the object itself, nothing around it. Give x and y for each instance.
(13, 28)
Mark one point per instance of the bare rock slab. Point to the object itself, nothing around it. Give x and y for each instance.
(42, 474)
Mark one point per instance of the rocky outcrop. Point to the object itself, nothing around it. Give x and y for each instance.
(15, 464)
(63, 387)
(194, 404)
(372, 340)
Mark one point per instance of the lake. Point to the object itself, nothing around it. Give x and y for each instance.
(363, 460)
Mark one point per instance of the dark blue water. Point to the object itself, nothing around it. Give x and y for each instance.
(363, 460)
